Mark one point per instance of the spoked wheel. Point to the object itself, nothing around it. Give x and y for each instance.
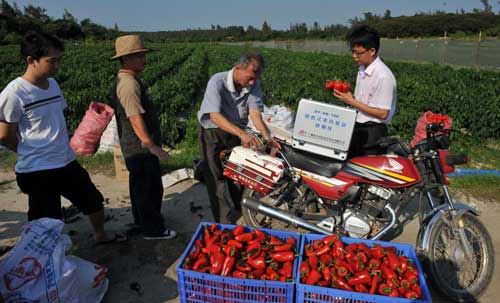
(461, 278)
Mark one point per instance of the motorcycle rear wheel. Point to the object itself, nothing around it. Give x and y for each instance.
(459, 278)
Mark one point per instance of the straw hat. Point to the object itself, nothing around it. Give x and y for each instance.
(129, 44)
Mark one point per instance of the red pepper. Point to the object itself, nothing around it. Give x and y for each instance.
(200, 262)
(394, 262)
(338, 249)
(309, 250)
(356, 266)
(230, 250)
(394, 293)
(213, 227)
(288, 269)
(238, 230)
(207, 236)
(411, 295)
(314, 277)
(273, 240)
(413, 278)
(291, 240)
(340, 283)
(263, 277)
(342, 271)
(259, 262)
(217, 260)
(246, 237)
(339, 262)
(213, 240)
(255, 274)
(212, 249)
(205, 269)
(272, 274)
(417, 289)
(323, 283)
(198, 243)
(304, 269)
(377, 251)
(242, 266)
(361, 257)
(323, 250)
(373, 264)
(282, 278)
(253, 250)
(412, 269)
(375, 281)
(283, 256)
(330, 240)
(405, 284)
(362, 247)
(228, 265)
(360, 288)
(284, 247)
(404, 263)
(326, 259)
(326, 273)
(235, 243)
(317, 244)
(239, 274)
(313, 261)
(384, 289)
(362, 277)
(352, 247)
(225, 237)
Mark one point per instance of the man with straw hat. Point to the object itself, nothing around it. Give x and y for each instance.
(140, 138)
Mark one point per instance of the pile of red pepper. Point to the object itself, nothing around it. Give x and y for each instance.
(329, 262)
(243, 254)
(338, 85)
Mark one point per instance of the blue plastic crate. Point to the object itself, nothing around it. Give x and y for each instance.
(316, 294)
(202, 287)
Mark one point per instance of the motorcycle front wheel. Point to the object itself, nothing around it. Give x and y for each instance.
(460, 278)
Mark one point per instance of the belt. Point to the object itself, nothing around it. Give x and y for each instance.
(369, 124)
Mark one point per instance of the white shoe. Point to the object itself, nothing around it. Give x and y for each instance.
(167, 234)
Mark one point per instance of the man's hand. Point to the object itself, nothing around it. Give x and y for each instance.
(347, 98)
(250, 141)
(158, 152)
(274, 144)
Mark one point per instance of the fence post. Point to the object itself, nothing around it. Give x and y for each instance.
(476, 61)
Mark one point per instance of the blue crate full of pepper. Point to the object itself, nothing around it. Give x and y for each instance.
(340, 269)
(232, 263)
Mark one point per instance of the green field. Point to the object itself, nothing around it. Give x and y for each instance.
(177, 75)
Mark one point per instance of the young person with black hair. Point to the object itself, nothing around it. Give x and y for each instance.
(375, 93)
(32, 124)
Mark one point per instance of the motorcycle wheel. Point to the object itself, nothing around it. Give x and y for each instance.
(459, 278)
(258, 220)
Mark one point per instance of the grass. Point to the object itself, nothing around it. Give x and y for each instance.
(485, 188)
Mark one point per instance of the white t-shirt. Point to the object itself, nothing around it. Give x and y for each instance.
(43, 139)
(376, 87)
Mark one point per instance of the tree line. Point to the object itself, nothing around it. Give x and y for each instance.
(14, 22)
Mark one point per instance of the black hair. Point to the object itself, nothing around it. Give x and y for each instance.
(365, 36)
(37, 44)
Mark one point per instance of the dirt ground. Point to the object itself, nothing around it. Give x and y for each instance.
(144, 271)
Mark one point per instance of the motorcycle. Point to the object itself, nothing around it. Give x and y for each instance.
(371, 197)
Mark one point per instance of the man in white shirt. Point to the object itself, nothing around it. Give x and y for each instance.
(375, 93)
(32, 124)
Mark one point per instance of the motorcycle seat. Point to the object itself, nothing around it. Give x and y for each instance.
(310, 162)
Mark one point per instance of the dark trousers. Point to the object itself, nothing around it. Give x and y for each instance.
(365, 139)
(224, 195)
(146, 193)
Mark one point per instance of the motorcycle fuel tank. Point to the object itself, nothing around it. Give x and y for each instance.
(386, 170)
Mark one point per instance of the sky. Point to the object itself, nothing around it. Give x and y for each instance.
(156, 15)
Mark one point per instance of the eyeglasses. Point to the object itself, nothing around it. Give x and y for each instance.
(357, 54)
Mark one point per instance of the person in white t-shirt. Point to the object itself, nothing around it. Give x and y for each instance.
(375, 93)
(32, 124)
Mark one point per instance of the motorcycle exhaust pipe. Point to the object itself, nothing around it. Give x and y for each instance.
(278, 214)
